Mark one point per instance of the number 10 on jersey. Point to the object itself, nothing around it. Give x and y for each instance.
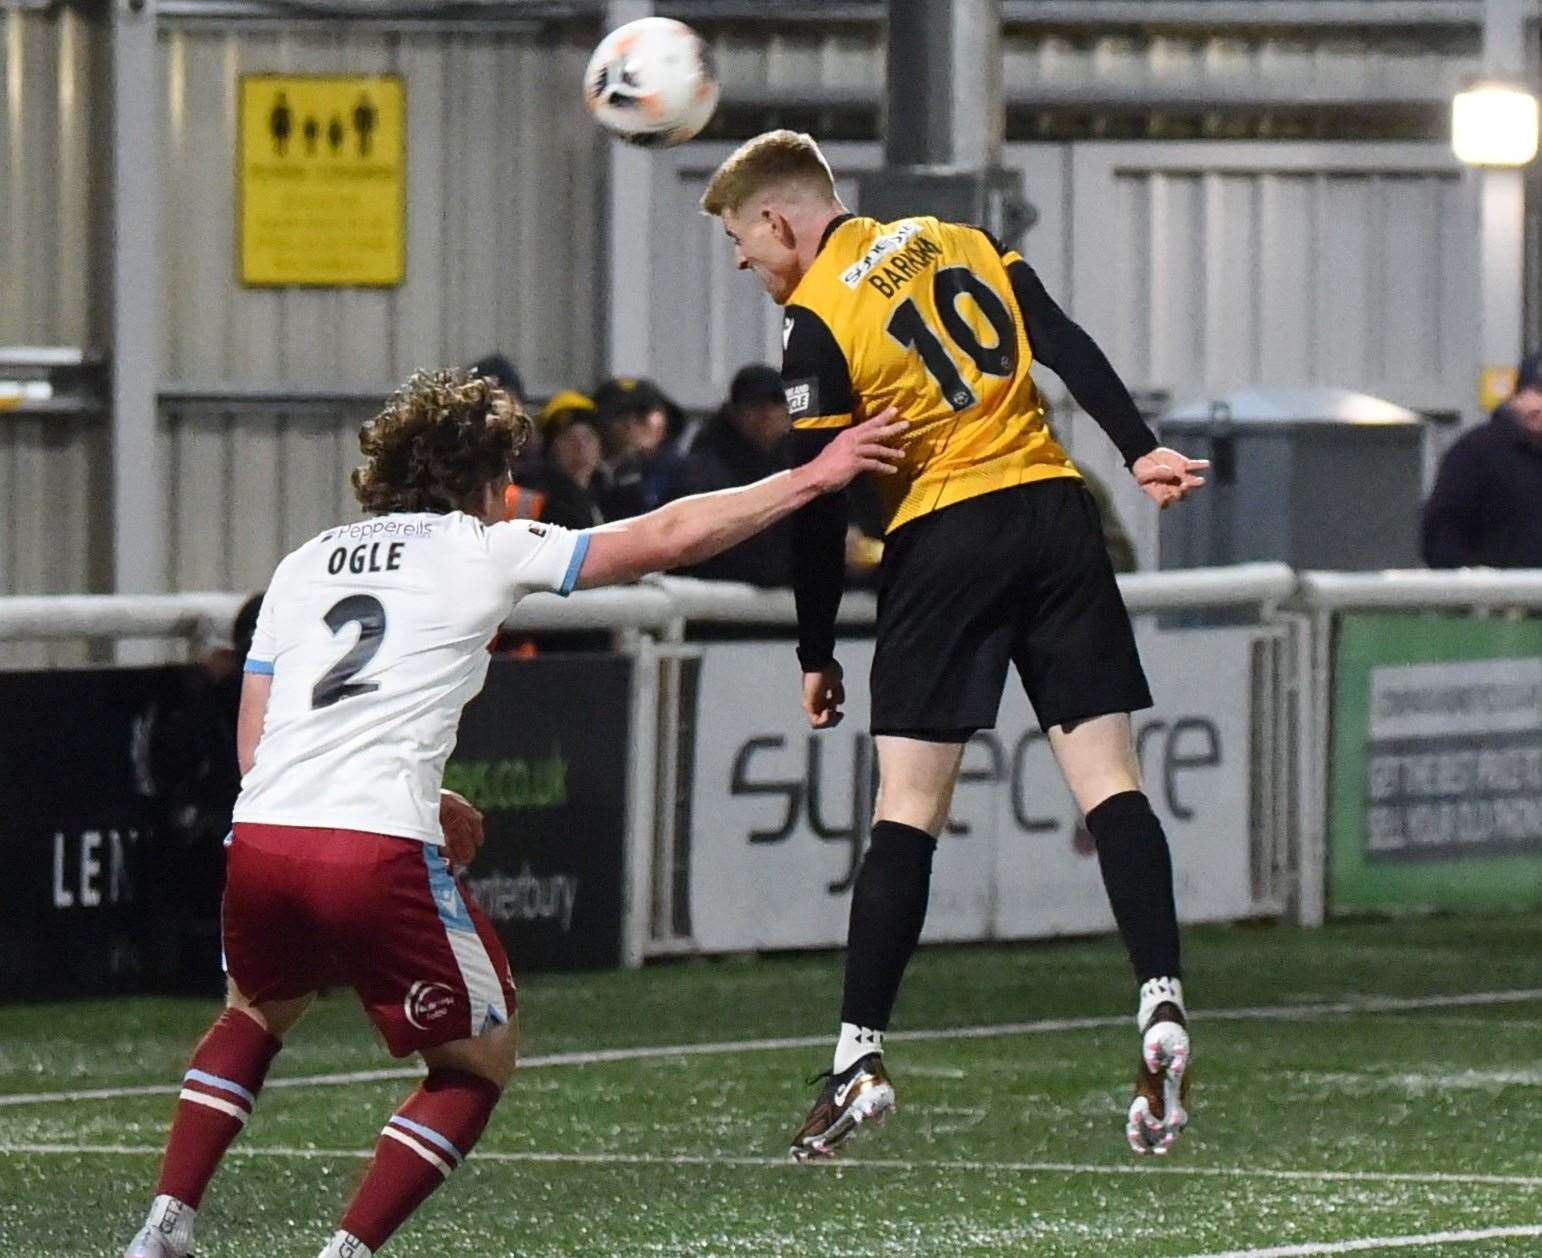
(909, 327)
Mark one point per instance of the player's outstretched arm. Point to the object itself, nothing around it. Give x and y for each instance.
(690, 530)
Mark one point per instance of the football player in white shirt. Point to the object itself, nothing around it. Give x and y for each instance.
(372, 638)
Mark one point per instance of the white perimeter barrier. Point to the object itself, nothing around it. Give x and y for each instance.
(745, 828)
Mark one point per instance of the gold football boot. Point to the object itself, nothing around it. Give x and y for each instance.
(860, 1094)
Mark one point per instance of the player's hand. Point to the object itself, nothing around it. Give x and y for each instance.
(868, 447)
(823, 694)
(1166, 476)
(461, 822)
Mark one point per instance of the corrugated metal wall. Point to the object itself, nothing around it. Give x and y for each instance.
(1202, 268)
(1050, 63)
(1216, 266)
(51, 176)
(506, 242)
(53, 536)
(1300, 67)
(503, 170)
(504, 252)
(253, 481)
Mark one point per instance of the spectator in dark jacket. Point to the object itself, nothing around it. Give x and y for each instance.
(744, 441)
(1486, 507)
(639, 424)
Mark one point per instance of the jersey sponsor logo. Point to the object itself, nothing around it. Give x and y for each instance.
(427, 1003)
(368, 530)
(904, 266)
(881, 248)
(802, 397)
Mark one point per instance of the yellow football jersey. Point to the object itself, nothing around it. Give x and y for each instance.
(920, 314)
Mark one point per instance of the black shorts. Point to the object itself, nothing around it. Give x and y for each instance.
(1021, 575)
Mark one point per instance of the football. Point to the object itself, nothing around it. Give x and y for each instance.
(651, 82)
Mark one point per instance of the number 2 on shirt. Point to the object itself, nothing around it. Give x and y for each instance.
(364, 610)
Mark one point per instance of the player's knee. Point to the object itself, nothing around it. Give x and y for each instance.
(920, 810)
(503, 1055)
(496, 1055)
(492, 1056)
(276, 1017)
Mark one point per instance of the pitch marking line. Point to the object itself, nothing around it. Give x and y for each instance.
(1379, 1242)
(872, 1164)
(1260, 1013)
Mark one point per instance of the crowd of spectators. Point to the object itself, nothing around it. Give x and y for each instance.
(628, 448)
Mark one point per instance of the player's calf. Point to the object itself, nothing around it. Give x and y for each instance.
(218, 1093)
(425, 1141)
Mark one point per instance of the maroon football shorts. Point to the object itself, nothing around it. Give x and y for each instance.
(307, 908)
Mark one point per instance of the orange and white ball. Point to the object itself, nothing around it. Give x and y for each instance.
(651, 82)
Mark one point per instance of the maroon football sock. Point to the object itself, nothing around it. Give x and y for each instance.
(218, 1093)
(419, 1148)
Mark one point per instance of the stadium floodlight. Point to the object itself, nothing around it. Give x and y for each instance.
(1494, 124)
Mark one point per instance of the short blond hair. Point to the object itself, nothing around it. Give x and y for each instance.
(774, 159)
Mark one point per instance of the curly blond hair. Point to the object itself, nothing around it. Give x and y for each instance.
(441, 439)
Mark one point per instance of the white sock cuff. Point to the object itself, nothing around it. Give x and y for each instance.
(174, 1220)
(346, 1245)
(855, 1043)
(1159, 991)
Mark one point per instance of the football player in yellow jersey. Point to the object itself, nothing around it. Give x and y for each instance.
(993, 554)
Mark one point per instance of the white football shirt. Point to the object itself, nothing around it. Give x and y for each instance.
(376, 635)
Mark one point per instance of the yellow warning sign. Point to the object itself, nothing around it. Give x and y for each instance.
(322, 178)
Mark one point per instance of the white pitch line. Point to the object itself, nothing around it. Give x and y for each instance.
(1379, 1242)
(871, 1164)
(603, 1056)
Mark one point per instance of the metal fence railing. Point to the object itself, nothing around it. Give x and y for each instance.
(1291, 620)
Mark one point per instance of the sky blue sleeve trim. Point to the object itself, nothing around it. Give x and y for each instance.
(580, 549)
(264, 667)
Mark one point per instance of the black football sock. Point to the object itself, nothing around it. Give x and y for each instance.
(1138, 875)
(888, 907)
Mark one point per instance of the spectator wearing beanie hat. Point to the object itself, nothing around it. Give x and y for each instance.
(574, 475)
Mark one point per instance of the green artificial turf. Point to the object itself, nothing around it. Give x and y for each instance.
(1308, 1127)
